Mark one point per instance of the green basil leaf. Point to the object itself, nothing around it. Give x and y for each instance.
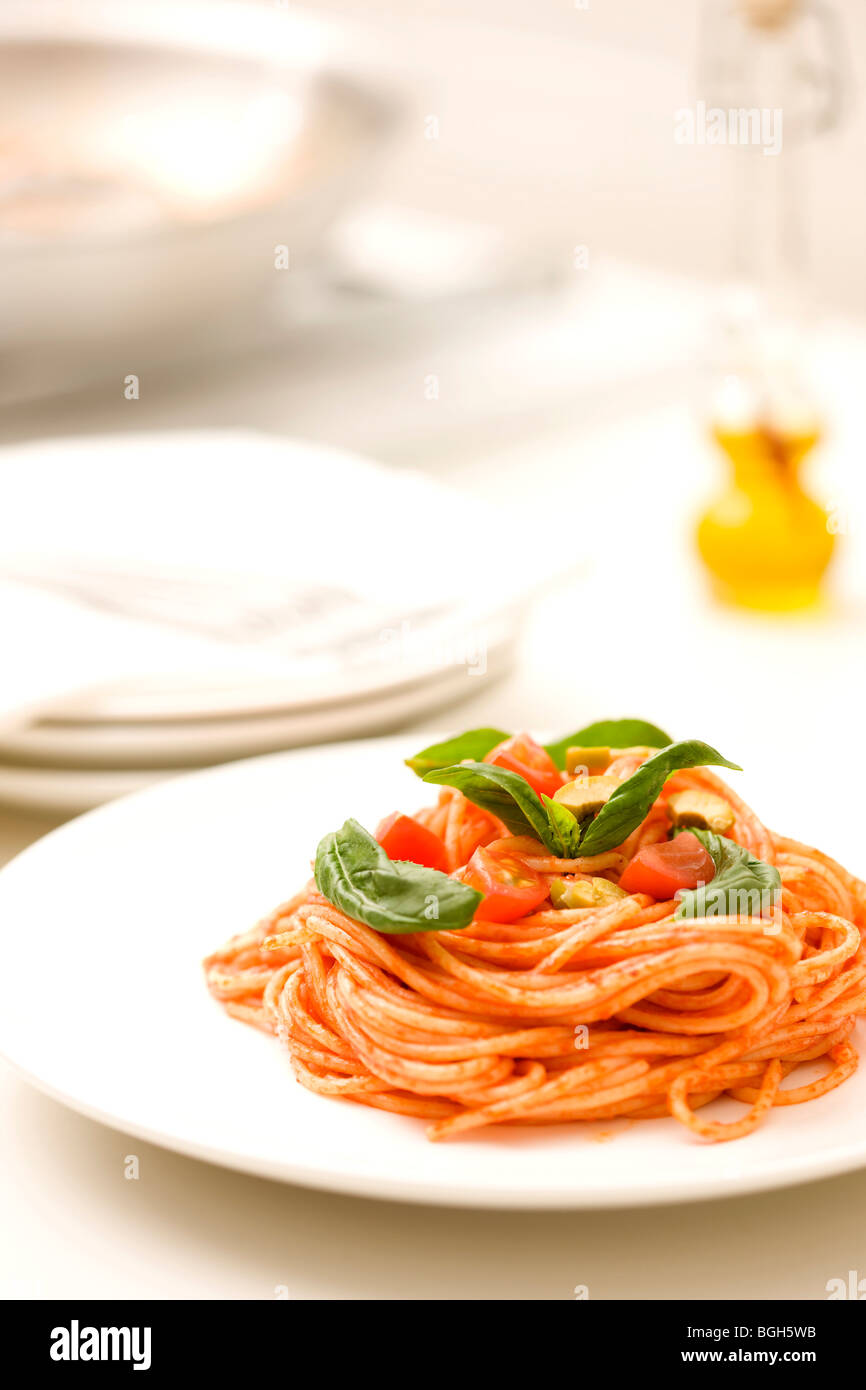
(504, 794)
(609, 733)
(509, 796)
(742, 886)
(564, 827)
(633, 798)
(474, 744)
(392, 895)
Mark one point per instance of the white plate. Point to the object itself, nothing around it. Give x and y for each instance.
(99, 771)
(254, 574)
(68, 791)
(28, 751)
(102, 1005)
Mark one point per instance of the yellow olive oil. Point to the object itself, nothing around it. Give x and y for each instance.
(765, 541)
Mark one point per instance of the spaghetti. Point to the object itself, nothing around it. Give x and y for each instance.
(566, 1014)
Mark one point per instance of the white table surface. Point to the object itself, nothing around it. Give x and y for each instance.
(73, 1226)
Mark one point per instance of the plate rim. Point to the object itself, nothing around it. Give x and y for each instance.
(847, 1160)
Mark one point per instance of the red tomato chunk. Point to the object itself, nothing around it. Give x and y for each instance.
(524, 756)
(510, 889)
(403, 837)
(663, 870)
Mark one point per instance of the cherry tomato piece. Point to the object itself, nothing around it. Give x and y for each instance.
(510, 889)
(664, 869)
(403, 837)
(523, 755)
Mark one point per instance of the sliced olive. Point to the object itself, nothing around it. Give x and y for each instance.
(586, 795)
(584, 892)
(586, 760)
(704, 810)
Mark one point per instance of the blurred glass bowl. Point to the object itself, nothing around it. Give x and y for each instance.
(153, 157)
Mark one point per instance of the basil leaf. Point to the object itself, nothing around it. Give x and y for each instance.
(504, 794)
(609, 733)
(564, 828)
(509, 796)
(474, 744)
(392, 895)
(633, 798)
(742, 886)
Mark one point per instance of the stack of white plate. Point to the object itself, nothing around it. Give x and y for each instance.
(172, 601)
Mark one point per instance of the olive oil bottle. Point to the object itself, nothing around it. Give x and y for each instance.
(765, 541)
